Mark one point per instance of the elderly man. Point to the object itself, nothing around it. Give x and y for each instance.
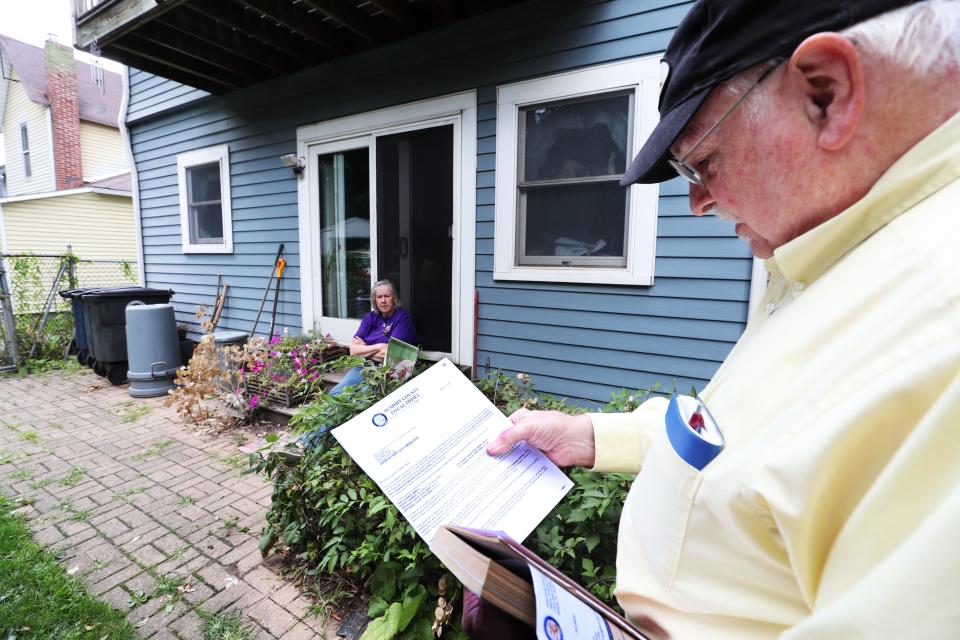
(829, 132)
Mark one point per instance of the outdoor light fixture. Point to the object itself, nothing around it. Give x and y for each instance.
(293, 161)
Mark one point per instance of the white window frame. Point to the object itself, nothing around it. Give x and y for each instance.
(642, 76)
(220, 154)
(25, 150)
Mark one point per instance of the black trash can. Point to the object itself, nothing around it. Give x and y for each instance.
(82, 347)
(105, 326)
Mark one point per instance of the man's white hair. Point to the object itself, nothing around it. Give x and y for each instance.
(921, 38)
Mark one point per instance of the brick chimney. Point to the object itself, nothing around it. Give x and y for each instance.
(64, 114)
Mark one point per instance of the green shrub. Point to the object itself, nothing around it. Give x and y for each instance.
(339, 526)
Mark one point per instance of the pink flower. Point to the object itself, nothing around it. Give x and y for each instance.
(275, 340)
(300, 371)
(254, 399)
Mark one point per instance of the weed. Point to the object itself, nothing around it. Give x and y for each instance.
(241, 439)
(23, 474)
(184, 500)
(137, 598)
(226, 625)
(167, 585)
(230, 524)
(96, 565)
(56, 425)
(5, 457)
(80, 516)
(29, 436)
(126, 493)
(239, 461)
(40, 484)
(155, 449)
(135, 413)
(65, 505)
(73, 476)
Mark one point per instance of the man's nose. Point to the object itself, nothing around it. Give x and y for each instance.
(701, 200)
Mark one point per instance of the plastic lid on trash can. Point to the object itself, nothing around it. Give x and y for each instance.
(127, 291)
(76, 293)
(229, 336)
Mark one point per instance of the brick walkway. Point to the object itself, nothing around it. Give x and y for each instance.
(136, 501)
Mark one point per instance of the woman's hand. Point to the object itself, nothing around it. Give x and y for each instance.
(380, 352)
(565, 439)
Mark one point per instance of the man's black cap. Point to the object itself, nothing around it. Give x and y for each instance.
(720, 38)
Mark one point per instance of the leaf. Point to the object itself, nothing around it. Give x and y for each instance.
(271, 437)
(378, 606)
(267, 539)
(410, 605)
(384, 582)
(386, 626)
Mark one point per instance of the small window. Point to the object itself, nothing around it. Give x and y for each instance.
(205, 213)
(563, 143)
(25, 151)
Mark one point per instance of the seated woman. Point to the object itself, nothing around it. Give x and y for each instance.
(384, 321)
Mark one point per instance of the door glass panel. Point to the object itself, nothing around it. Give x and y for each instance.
(414, 218)
(345, 233)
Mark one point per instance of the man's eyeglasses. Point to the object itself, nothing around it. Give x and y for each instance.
(687, 170)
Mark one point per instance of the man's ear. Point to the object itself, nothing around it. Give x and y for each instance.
(830, 78)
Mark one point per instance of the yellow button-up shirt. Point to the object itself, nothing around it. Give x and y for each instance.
(834, 509)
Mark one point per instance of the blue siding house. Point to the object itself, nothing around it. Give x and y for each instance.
(475, 163)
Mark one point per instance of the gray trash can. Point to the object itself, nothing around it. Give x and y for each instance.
(153, 349)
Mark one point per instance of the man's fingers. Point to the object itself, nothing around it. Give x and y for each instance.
(507, 438)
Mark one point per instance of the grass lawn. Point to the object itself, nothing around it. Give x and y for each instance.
(39, 600)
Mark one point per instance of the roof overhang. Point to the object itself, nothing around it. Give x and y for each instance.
(223, 45)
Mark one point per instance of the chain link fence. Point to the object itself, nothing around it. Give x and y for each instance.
(35, 321)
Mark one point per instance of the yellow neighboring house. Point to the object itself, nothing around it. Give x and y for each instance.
(67, 176)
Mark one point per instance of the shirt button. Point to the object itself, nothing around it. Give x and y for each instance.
(770, 308)
(798, 286)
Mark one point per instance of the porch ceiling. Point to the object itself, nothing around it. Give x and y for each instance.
(223, 45)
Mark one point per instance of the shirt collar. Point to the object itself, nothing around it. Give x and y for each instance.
(930, 165)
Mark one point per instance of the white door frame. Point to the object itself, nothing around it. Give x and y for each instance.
(459, 110)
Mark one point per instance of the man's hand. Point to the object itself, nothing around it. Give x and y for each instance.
(483, 621)
(565, 439)
(357, 340)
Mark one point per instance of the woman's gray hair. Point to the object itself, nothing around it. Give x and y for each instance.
(373, 293)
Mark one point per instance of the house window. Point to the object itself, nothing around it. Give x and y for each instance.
(25, 151)
(205, 213)
(563, 143)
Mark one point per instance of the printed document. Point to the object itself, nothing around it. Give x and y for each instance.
(424, 446)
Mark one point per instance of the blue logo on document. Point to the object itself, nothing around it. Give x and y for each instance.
(552, 628)
(379, 420)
